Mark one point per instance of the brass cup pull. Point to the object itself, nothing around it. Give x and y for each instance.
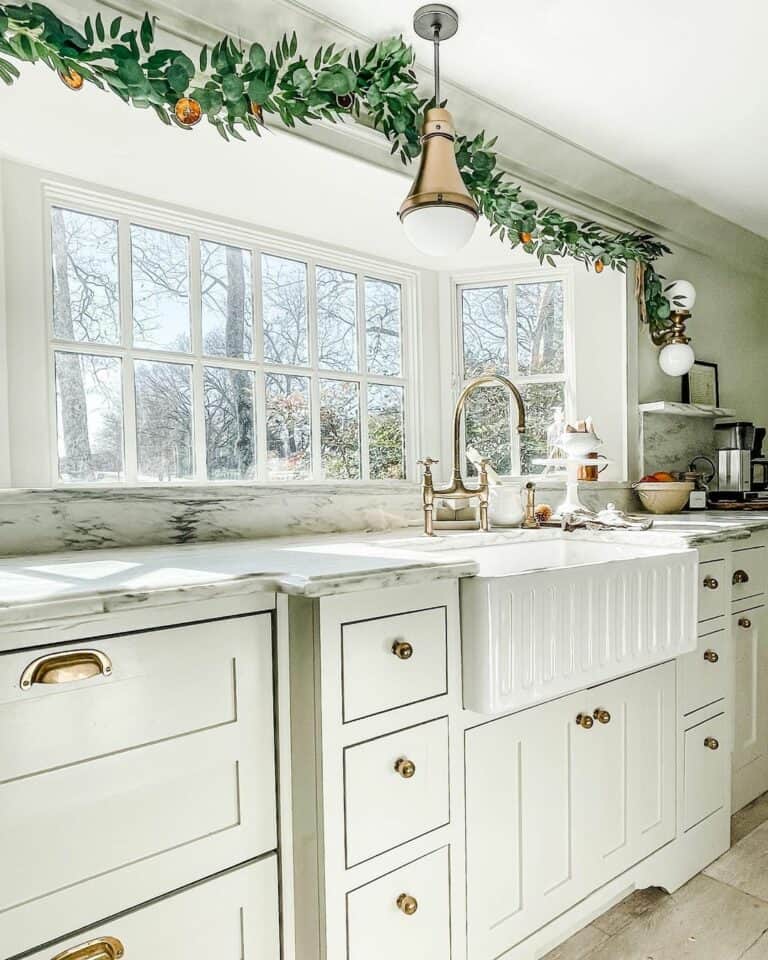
(406, 768)
(106, 948)
(711, 656)
(585, 721)
(745, 622)
(402, 649)
(602, 716)
(408, 904)
(740, 576)
(66, 667)
(711, 583)
(711, 743)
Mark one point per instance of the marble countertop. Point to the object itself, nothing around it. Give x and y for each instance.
(71, 584)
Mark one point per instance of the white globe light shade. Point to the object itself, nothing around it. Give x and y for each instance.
(681, 295)
(676, 359)
(439, 230)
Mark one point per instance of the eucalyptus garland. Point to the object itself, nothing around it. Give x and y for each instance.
(234, 86)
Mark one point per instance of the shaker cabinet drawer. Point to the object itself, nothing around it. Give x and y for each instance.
(706, 784)
(130, 766)
(749, 573)
(405, 914)
(704, 673)
(713, 590)
(232, 917)
(388, 662)
(396, 788)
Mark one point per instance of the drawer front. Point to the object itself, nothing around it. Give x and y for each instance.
(405, 914)
(706, 782)
(233, 917)
(122, 786)
(396, 788)
(713, 590)
(389, 662)
(704, 673)
(749, 573)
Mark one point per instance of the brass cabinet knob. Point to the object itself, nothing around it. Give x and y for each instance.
(408, 904)
(740, 576)
(711, 583)
(585, 721)
(602, 716)
(402, 649)
(711, 656)
(711, 743)
(406, 768)
(745, 622)
(106, 948)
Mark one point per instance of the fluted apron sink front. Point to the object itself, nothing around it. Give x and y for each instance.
(550, 613)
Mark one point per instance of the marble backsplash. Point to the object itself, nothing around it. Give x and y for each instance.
(670, 441)
(85, 518)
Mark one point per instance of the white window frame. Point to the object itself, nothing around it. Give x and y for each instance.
(510, 278)
(198, 227)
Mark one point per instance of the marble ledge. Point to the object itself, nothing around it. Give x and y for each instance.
(63, 586)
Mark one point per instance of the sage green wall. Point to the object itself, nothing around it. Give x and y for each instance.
(729, 327)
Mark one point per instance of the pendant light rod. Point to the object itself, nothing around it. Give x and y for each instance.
(436, 22)
(437, 64)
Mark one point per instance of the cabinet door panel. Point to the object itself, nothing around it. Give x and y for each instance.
(626, 767)
(520, 825)
(751, 673)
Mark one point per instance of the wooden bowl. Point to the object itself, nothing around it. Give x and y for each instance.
(661, 497)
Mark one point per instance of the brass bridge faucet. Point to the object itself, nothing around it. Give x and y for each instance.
(457, 489)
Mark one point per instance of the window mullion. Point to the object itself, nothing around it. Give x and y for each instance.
(362, 364)
(514, 436)
(200, 470)
(314, 379)
(125, 276)
(260, 382)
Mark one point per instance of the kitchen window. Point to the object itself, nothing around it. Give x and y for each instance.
(177, 356)
(520, 328)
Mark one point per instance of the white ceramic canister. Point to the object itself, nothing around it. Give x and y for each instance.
(505, 505)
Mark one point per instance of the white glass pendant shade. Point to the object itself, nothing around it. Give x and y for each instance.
(676, 359)
(439, 230)
(681, 295)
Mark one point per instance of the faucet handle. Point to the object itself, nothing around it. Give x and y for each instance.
(427, 463)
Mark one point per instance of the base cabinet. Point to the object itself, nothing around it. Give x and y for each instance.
(231, 917)
(544, 828)
(751, 676)
(404, 914)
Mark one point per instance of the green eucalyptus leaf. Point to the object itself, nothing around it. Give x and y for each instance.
(302, 79)
(257, 56)
(177, 77)
(258, 91)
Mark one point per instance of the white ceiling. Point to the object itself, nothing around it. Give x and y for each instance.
(673, 90)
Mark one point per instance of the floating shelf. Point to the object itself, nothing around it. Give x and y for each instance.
(686, 409)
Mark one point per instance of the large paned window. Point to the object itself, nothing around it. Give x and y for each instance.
(178, 357)
(517, 328)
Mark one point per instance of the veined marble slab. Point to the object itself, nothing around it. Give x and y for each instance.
(65, 585)
(86, 518)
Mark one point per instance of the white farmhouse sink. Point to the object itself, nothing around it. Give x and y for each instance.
(550, 613)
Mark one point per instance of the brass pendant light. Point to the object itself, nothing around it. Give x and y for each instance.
(439, 214)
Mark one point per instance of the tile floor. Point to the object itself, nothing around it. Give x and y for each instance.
(721, 914)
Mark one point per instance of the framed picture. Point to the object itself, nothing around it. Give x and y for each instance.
(701, 385)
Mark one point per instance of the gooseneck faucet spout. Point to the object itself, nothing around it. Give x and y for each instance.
(457, 490)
